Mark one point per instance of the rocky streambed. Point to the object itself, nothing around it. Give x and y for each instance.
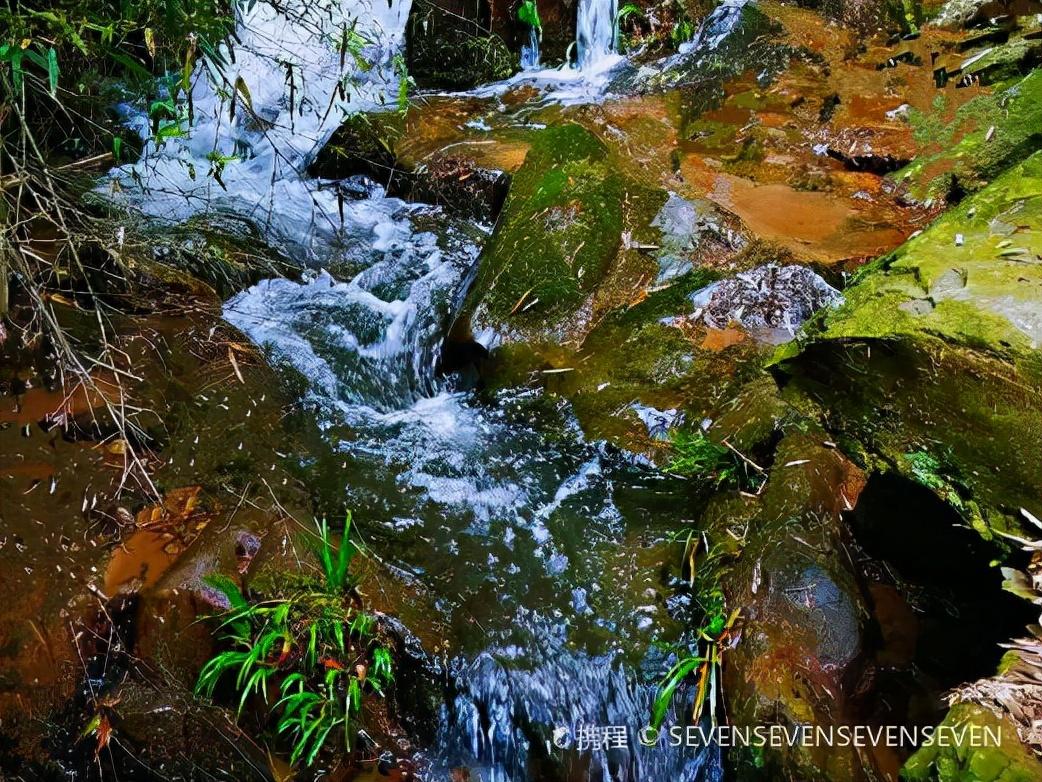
(748, 330)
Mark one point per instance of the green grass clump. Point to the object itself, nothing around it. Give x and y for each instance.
(696, 456)
(310, 642)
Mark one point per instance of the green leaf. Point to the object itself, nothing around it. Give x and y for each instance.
(240, 608)
(528, 13)
(52, 70)
(669, 686)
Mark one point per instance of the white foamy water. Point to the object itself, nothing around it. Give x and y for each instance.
(596, 32)
(513, 521)
(304, 64)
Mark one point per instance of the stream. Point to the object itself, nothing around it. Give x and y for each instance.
(541, 551)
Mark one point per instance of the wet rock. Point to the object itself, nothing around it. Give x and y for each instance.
(560, 230)
(989, 134)
(1001, 63)
(802, 643)
(956, 14)
(768, 297)
(457, 184)
(171, 731)
(735, 36)
(940, 339)
(363, 145)
(363, 152)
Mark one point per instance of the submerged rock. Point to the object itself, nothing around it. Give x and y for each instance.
(363, 155)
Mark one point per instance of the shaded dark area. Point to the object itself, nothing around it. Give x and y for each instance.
(938, 605)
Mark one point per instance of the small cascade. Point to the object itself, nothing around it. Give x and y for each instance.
(262, 109)
(715, 28)
(530, 51)
(596, 33)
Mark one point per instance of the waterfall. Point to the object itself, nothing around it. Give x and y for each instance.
(596, 32)
(263, 108)
(530, 51)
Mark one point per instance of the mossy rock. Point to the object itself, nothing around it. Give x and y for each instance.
(991, 760)
(1002, 63)
(750, 43)
(935, 352)
(560, 230)
(989, 134)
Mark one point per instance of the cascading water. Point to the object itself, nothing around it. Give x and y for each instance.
(296, 68)
(596, 33)
(526, 537)
(530, 51)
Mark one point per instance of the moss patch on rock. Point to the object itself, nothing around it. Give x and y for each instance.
(948, 760)
(559, 233)
(988, 134)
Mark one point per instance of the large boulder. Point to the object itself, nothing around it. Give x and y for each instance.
(804, 615)
(932, 364)
(556, 242)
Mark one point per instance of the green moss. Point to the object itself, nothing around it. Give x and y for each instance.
(971, 278)
(1005, 760)
(560, 229)
(932, 359)
(1002, 63)
(960, 156)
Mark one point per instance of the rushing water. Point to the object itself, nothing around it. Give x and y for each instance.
(541, 552)
(596, 32)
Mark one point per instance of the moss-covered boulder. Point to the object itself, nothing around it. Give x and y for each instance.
(932, 365)
(989, 133)
(560, 232)
(973, 744)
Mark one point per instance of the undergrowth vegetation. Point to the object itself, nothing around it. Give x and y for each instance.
(700, 661)
(305, 648)
(698, 457)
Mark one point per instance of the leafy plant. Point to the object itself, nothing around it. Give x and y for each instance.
(682, 32)
(528, 13)
(626, 11)
(696, 456)
(308, 641)
(714, 637)
(405, 81)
